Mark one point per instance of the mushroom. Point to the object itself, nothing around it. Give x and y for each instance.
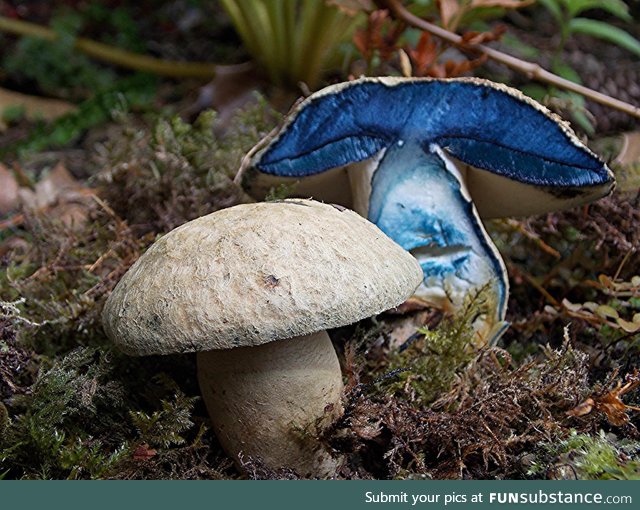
(426, 159)
(252, 289)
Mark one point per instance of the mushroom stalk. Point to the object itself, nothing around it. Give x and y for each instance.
(418, 197)
(272, 401)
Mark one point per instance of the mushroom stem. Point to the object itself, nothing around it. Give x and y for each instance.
(270, 402)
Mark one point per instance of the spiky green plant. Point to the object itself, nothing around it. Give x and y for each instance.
(293, 40)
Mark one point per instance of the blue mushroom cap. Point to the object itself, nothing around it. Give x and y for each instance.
(486, 125)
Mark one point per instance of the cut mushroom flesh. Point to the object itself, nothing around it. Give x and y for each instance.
(419, 199)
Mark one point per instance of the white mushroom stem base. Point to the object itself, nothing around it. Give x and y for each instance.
(271, 401)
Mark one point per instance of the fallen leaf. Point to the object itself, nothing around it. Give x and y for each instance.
(582, 409)
(424, 55)
(610, 403)
(35, 107)
(60, 194)
(143, 452)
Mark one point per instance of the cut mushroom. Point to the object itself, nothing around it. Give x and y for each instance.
(425, 159)
(252, 289)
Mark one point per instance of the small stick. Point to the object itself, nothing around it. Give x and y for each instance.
(533, 71)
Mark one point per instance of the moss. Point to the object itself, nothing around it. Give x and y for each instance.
(590, 457)
(84, 418)
(165, 426)
(59, 418)
(60, 276)
(429, 364)
(4, 420)
(160, 176)
(489, 415)
(125, 95)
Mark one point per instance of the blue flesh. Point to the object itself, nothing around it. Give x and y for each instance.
(420, 204)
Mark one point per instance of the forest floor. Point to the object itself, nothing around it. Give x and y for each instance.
(86, 189)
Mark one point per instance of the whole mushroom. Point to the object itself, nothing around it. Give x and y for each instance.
(426, 160)
(252, 289)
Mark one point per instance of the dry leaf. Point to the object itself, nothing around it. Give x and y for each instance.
(143, 452)
(484, 37)
(582, 409)
(35, 107)
(60, 194)
(368, 39)
(379, 36)
(424, 55)
(8, 190)
(610, 403)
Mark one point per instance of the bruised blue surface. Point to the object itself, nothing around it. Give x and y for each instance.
(417, 202)
(478, 124)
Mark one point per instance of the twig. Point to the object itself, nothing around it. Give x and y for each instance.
(532, 281)
(519, 227)
(117, 56)
(533, 71)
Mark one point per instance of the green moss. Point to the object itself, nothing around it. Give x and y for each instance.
(429, 365)
(123, 95)
(599, 457)
(165, 427)
(61, 418)
(88, 412)
(279, 192)
(57, 68)
(163, 175)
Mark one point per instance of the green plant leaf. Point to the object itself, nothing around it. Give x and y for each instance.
(534, 91)
(617, 8)
(605, 31)
(525, 50)
(566, 71)
(553, 6)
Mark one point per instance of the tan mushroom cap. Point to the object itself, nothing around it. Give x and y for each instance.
(256, 273)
